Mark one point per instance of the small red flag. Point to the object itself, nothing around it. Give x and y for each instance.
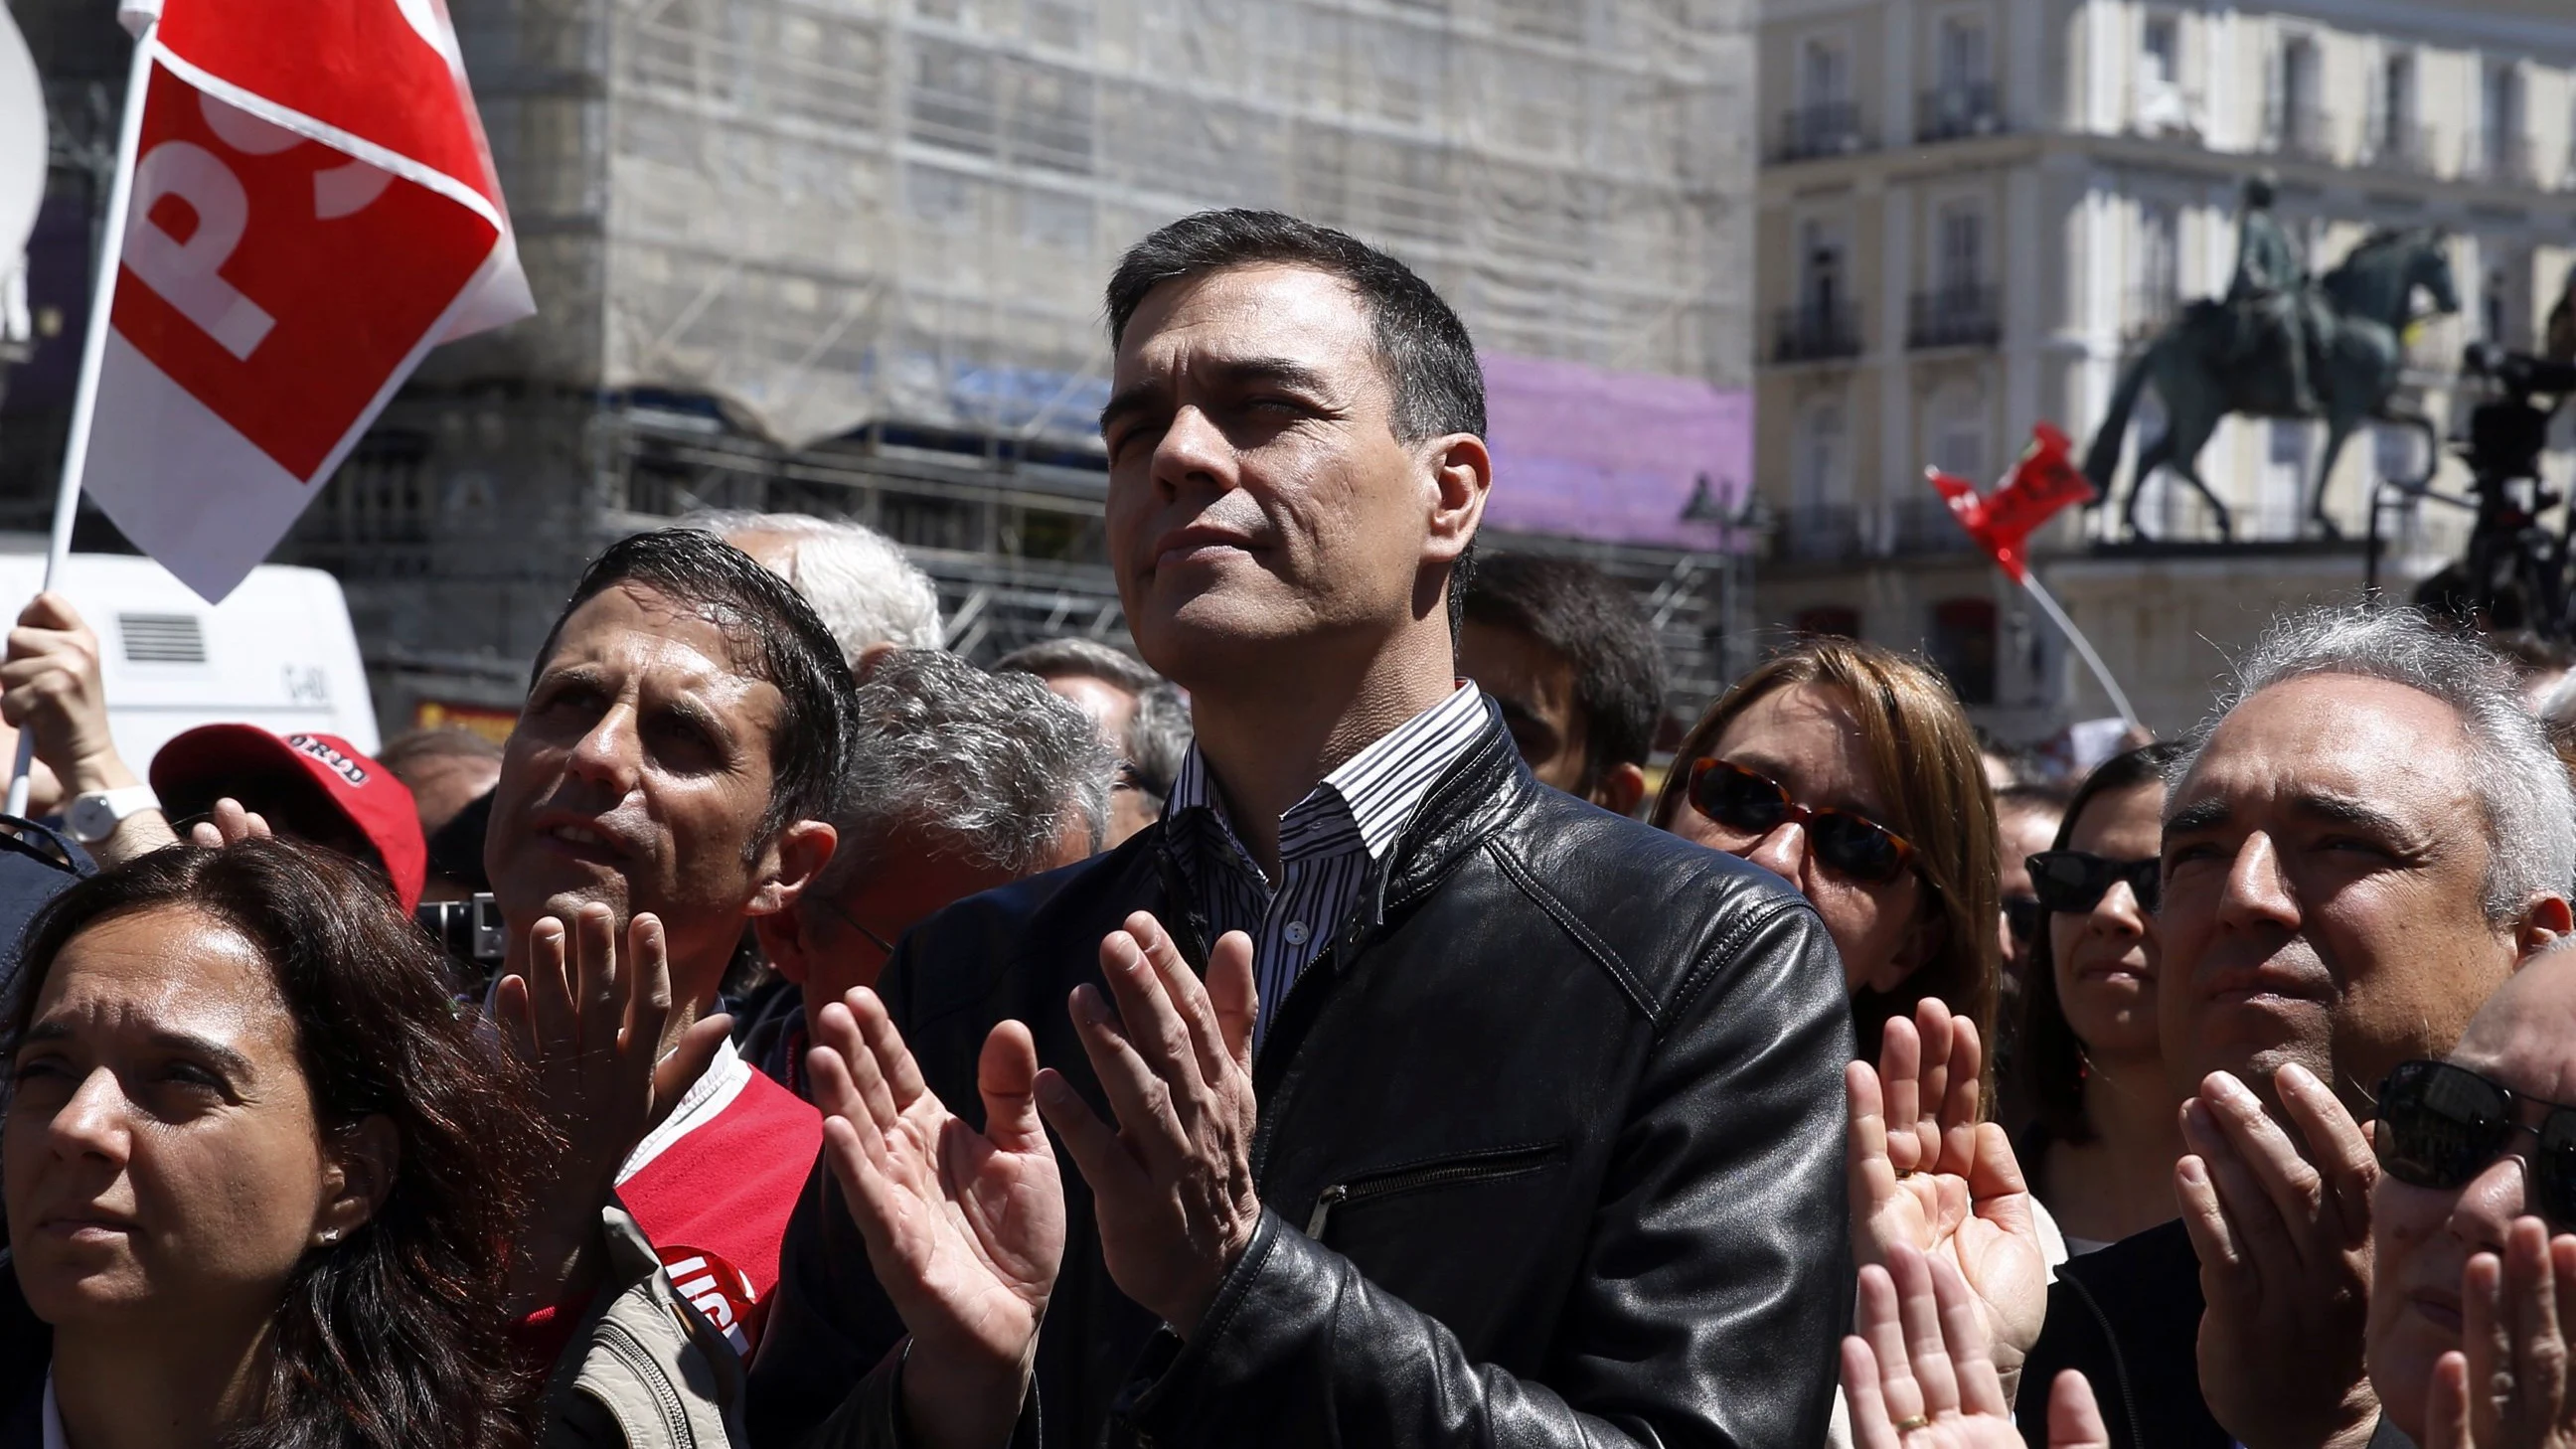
(2045, 482)
(313, 208)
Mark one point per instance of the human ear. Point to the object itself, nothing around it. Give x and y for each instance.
(1619, 789)
(357, 1175)
(1462, 473)
(790, 864)
(783, 941)
(872, 656)
(2544, 923)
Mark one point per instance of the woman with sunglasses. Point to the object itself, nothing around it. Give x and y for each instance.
(2101, 1147)
(1852, 773)
(2473, 1261)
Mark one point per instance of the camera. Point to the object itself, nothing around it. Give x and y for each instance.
(468, 930)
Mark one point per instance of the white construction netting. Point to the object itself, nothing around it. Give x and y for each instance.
(833, 212)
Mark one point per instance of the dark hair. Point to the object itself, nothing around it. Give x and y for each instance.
(2045, 795)
(1086, 658)
(775, 633)
(2051, 1056)
(445, 742)
(456, 848)
(402, 1325)
(1434, 383)
(1592, 623)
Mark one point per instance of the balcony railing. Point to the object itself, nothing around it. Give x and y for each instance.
(1955, 317)
(1816, 332)
(2405, 148)
(2506, 161)
(1821, 532)
(1950, 112)
(2300, 132)
(1831, 128)
(1925, 525)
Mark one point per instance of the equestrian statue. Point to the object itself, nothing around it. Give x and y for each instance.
(2279, 345)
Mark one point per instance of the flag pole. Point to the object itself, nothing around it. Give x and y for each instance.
(2083, 646)
(111, 258)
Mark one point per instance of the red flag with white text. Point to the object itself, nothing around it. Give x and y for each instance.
(314, 207)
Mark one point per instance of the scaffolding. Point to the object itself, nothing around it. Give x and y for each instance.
(831, 213)
(845, 257)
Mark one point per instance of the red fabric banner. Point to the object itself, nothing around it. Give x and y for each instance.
(312, 208)
(2044, 483)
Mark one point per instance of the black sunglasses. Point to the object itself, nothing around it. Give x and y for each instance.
(1750, 804)
(2076, 880)
(2440, 1125)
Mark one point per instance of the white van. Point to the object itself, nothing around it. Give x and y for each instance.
(278, 652)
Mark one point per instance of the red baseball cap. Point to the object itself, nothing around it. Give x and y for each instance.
(314, 787)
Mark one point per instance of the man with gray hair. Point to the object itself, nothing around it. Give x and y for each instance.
(869, 595)
(2369, 837)
(959, 781)
(1144, 717)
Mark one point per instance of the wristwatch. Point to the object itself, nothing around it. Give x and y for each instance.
(95, 815)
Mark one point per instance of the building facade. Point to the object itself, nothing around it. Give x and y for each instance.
(1975, 213)
(846, 257)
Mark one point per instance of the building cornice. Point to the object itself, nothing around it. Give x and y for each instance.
(2446, 199)
(2544, 24)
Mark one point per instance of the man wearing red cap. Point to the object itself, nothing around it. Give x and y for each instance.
(314, 788)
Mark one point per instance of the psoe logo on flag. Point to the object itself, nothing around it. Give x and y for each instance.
(306, 218)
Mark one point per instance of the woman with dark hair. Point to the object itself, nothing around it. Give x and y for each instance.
(2101, 1148)
(262, 1182)
(260, 1179)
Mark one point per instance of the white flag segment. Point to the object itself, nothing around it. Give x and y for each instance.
(305, 221)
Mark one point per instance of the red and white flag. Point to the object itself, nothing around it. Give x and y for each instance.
(313, 209)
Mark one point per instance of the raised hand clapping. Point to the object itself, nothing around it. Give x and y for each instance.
(1926, 1175)
(965, 1229)
(2506, 1386)
(1917, 1373)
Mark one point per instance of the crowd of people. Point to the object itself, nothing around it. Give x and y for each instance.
(1325, 1025)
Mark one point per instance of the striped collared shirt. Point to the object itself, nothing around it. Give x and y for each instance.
(1328, 842)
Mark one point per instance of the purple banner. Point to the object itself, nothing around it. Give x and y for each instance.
(1613, 456)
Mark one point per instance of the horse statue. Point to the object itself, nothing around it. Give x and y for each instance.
(2201, 368)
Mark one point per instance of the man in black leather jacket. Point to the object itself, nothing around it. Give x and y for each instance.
(1547, 1147)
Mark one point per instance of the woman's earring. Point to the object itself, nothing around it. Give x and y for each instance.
(330, 1235)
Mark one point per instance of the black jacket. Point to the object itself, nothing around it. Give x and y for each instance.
(1550, 1149)
(2129, 1317)
(26, 1357)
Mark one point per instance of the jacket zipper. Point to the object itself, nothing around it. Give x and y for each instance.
(630, 1350)
(1505, 1162)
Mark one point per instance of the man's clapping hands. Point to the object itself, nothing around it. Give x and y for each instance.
(966, 1229)
(2506, 1386)
(2282, 1229)
(588, 1017)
